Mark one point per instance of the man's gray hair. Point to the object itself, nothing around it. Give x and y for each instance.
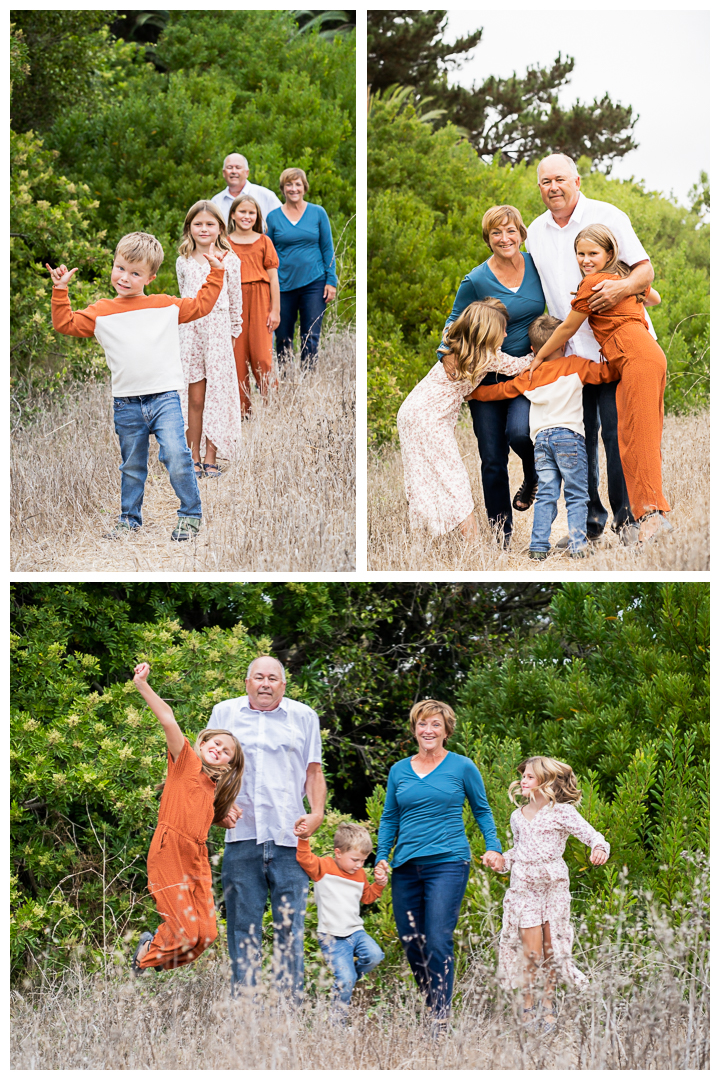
(282, 666)
(568, 161)
(235, 154)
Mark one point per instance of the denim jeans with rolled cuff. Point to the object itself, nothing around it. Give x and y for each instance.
(251, 874)
(136, 419)
(560, 459)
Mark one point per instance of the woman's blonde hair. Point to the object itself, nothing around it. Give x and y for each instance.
(474, 338)
(430, 707)
(204, 206)
(600, 234)
(228, 778)
(293, 174)
(496, 215)
(258, 226)
(556, 780)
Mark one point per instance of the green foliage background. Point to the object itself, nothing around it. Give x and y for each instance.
(138, 146)
(612, 677)
(428, 191)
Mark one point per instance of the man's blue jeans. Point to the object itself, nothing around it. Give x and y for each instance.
(250, 873)
(136, 419)
(599, 408)
(499, 426)
(426, 901)
(560, 458)
(308, 302)
(350, 958)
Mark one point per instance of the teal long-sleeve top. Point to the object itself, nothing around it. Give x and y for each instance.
(522, 306)
(305, 250)
(423, 815)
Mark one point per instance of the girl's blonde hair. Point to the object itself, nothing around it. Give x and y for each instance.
(555, 779)
(258, 226)
(474, 338)
(600, 234)
(204, 206)
(228, 778)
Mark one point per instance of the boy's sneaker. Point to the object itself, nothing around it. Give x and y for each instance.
(120, 531)
(538, 554)
(187, 528)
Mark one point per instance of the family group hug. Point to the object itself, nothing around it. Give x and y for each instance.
(544, 383)
(249, 771)
(248, 265)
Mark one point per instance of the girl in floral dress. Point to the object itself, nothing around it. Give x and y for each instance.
(436, 481)
(536, 931)
(211, 399)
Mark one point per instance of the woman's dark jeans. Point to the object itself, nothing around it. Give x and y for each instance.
(307, 301)
(426, 905)
(498, 426)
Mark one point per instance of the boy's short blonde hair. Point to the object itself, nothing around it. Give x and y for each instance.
(351, 837)
(541, 330)
(141, 247)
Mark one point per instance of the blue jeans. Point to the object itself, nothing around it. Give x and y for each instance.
(426, 905)
(499, 426)
(136, 419)
(308, 302)
(560, 458)
(350, 958)
(599, 407)
(250, 873)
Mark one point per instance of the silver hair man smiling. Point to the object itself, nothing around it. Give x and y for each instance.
(280, 738)
(550, 240)
(236, 171)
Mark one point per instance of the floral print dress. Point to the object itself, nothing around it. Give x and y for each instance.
(437, 484)
(540, 887)
(206, 351)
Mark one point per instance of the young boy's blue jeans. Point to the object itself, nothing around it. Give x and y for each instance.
(560, 458)
(350, 958)
(136, 419)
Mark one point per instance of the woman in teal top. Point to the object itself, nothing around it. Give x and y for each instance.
(508, 275)
(423, 820)
(303, 240)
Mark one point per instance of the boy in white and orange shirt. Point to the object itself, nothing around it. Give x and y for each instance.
(558, 433)
(139, 335)
(340, 886)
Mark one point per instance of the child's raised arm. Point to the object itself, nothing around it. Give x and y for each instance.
(559, 338)
(173, 735)
(61, 276)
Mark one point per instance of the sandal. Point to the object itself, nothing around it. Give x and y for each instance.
(212, 471)
(525, 494)
(199, 470)
(145, 936)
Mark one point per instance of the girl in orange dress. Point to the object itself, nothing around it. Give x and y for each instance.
(200, 790)
(260, 295)
(624, 338)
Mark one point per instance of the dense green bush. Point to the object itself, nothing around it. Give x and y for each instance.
(428, 191)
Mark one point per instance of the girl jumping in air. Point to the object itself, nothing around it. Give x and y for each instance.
(624, 338)
(201, 787)
(260, 297)
(536, 932)
(211, 400)
(436, 481)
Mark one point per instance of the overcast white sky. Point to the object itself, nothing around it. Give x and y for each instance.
(656, 61)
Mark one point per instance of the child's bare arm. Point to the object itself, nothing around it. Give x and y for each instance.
(273, 319)
(652, 299)
(173, 735)
(61, 276)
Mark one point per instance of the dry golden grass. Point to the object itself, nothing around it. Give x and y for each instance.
(288, 504)
(686, 483)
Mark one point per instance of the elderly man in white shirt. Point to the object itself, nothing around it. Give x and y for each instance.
(283, 762)
(236, 171)
(550, 241)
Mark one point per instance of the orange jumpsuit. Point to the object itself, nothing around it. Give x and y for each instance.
(624, 337)
(179, 875)
(253, 347)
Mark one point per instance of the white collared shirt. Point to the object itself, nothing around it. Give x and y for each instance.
(553, 253)
(278, 746)
(266, 199)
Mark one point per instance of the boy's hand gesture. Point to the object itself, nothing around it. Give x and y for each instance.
(215, 258)
(61, 276)
(141, 673)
